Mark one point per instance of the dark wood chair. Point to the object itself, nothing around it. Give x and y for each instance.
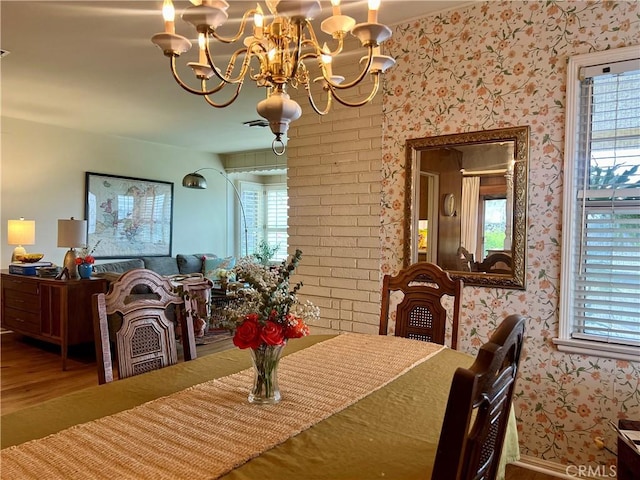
(146, 339)
(475, 421)
(420, 314)
(495, 263)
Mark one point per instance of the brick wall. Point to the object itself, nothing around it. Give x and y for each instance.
(334, 207)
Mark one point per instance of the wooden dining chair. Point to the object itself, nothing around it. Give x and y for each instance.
(496, 263)
(420, 314)
(146, 339)
(475, 421)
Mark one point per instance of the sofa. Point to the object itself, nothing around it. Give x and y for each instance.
(181, 264)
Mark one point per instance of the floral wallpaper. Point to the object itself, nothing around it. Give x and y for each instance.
(498, 64)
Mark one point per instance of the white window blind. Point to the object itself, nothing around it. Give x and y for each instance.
(276, 213)
(601, 271)
(251, 195)
(266, 208)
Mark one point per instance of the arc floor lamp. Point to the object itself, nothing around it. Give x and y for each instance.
(197, 181)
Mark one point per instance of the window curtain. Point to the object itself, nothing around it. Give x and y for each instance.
(469, 214)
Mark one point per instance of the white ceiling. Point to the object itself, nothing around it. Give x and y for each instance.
(90, 65)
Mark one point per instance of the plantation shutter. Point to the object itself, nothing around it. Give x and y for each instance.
(606, 264)
(276, 214)
(251, 197)
(266, 210)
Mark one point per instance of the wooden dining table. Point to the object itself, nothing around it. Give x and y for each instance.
(354, 406)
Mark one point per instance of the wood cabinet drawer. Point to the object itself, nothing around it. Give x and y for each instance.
(22, 321)
(44, 308)
(19, 284)
(22, 301)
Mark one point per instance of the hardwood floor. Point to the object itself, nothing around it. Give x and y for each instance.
(31, 372)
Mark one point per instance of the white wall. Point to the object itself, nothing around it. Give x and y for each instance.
(43, 179)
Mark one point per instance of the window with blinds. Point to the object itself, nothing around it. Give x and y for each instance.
(600, 302)
(276, 215)
(266, 208)
(251, 195)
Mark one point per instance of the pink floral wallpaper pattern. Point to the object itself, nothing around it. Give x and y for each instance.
(497, 64)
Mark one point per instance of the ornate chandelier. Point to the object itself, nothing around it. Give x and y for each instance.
(279, 51)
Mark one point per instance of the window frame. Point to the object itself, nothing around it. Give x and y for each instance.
(564, 341)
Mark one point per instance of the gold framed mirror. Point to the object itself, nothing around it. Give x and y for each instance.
(466, 205)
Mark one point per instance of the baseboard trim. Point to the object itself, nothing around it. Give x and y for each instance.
(547, 467)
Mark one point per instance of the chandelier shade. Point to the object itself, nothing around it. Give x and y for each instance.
(279, 51)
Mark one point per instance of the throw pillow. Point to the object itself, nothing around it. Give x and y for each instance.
(215, 268)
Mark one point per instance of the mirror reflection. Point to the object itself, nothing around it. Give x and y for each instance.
(466, 205)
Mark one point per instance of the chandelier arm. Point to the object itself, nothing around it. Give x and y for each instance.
(231, 65)
(312, 55)
(376, 85)
(189, 89)
(321, 65)
(256, 50)
(315, 44)
(255, 44)
(313, 103)
(235, 38)
(344, 86)
(339, 48)
(298, 49)
(226, 104)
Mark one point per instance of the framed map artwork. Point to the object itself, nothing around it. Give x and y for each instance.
(128, 217)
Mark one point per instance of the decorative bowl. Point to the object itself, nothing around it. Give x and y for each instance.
(32, 257)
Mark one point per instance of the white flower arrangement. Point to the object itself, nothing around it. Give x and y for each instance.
(267, 293)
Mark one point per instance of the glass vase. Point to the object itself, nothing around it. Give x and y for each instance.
(265, 368)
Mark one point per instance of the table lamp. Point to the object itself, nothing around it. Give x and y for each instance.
(72, 234)
(20, 232)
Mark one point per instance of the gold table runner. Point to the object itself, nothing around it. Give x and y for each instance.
(207, 430)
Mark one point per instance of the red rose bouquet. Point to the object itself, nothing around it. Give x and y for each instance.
(86, 256)
(88, 260)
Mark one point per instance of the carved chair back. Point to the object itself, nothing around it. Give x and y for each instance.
(496, 263)
(420, 314)
(146, 340)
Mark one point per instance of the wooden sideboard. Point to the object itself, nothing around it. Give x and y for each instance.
(54, 311)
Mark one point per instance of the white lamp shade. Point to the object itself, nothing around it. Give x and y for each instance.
(21, 232)
(72, 233)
